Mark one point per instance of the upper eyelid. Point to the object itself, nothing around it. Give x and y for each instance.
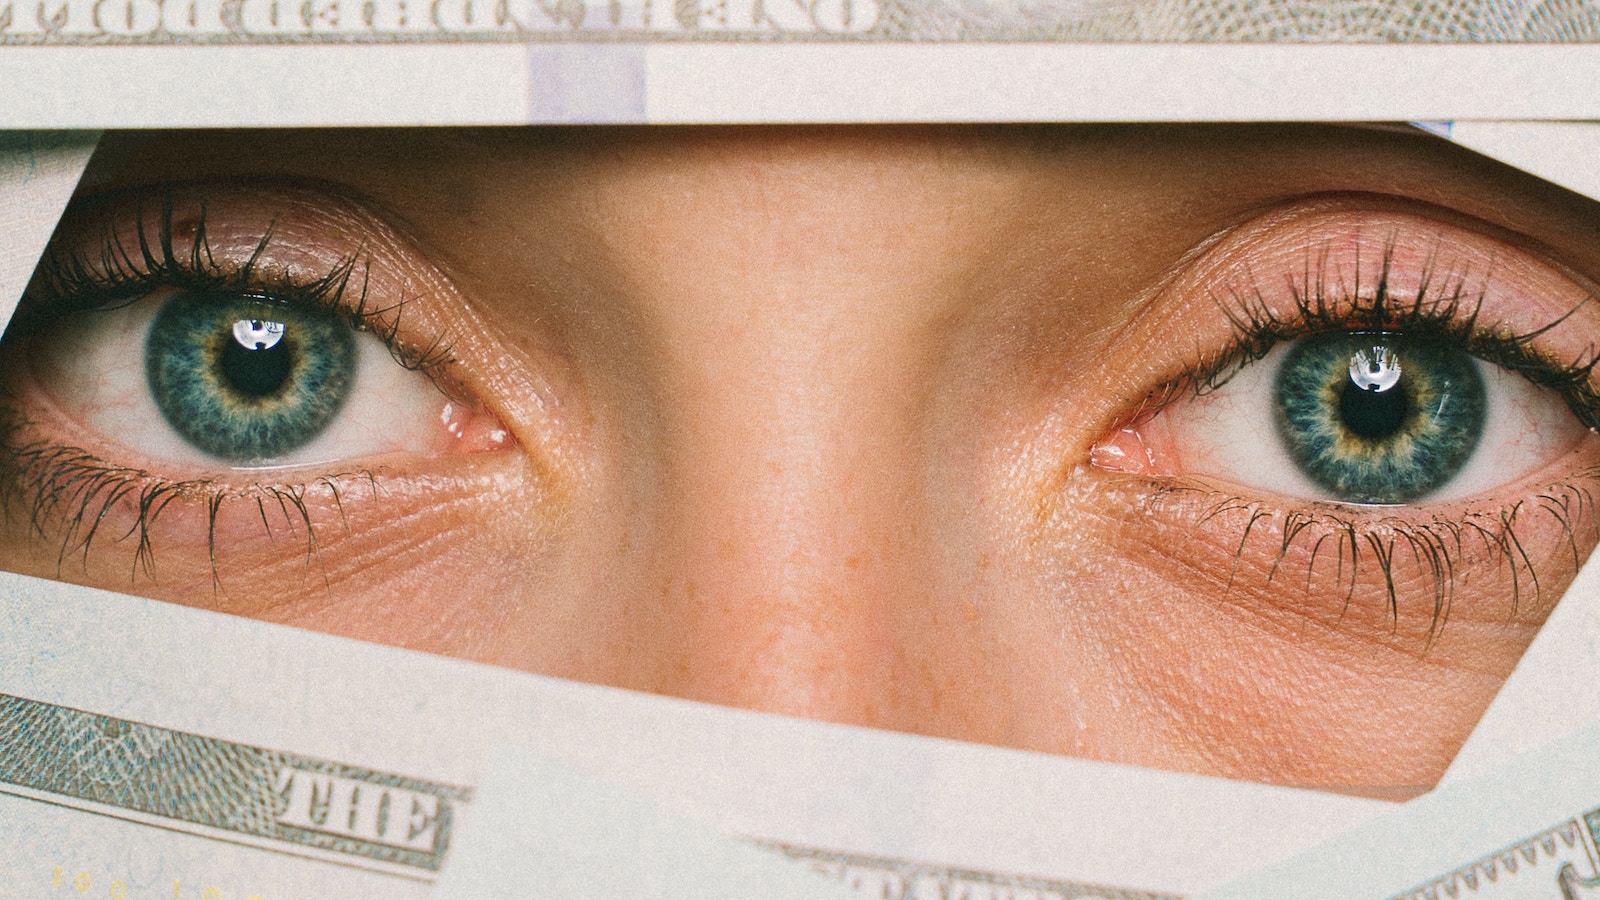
(290, 234)
(131, 215)
(1267, 258)
(1180, 329)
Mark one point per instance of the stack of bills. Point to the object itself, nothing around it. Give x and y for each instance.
(149, 750)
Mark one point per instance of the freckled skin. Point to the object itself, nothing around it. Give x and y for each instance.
(801, 420)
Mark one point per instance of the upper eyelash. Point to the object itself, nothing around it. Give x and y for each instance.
(67, 282)
(1441, 308)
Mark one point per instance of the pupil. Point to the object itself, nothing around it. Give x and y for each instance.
(1374, 415)
(255, 369)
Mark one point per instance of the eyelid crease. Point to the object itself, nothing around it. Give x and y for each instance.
(1451, 318)
(1492, 311)
(125, 265)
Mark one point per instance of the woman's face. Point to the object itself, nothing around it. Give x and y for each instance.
(1251, 451)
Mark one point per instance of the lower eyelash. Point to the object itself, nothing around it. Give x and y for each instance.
(68, 494)
(1436, 545)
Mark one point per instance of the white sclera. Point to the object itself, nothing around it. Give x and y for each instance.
(93, 366)
(1231, 434)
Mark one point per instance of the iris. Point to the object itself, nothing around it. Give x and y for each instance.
(245, 378)
(1379, 417)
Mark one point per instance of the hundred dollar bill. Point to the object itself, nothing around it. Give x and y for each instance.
(38, 171)
(542, 829)
(1562, 153)
(81, 22)
(151, 63)
(172, 753)
(1551, 692)
(152, 750)
(1524, 831)
(149, 750)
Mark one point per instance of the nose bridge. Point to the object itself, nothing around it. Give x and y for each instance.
(790, 501)
(790, 543)
(785, 587)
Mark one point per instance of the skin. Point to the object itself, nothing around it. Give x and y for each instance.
(801, 420)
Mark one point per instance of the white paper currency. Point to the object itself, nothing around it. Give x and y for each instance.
(712, 79)
(1551, 692)
(149, 749)
(151, 742)
(1562, 153)
(957, 816)
(38, 171)
(538, 828)
(146, 63)
(1524, 831)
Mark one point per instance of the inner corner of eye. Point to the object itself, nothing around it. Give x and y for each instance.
(471, 427)
(1143, 445)
(453, 420)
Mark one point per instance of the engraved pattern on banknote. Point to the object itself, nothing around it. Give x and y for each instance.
(1549, 860)
(882, 878)
(20, 152)
(289, 802)
(99, 22)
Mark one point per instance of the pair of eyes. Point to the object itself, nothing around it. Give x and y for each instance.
(199, 379)
(1412, 388)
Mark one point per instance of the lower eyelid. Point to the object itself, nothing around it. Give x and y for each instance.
(246, 547)
(1395, 577)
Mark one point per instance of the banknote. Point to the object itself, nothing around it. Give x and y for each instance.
(1548, 694)
(1526, 829)
(153, 750)
(169, 749)
(38, 171)
(124, 22)
(135, 63)
(540, 828)
(132, 732)
(1559, 152)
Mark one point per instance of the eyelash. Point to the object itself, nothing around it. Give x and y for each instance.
(78, 490)
(1448, 314)
(53, 478)
(1441, 309)
(73, 285)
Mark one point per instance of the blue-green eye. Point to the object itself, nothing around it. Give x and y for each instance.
(1366, 418)
(196, 380)
(1378, 418)
(247, 379)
